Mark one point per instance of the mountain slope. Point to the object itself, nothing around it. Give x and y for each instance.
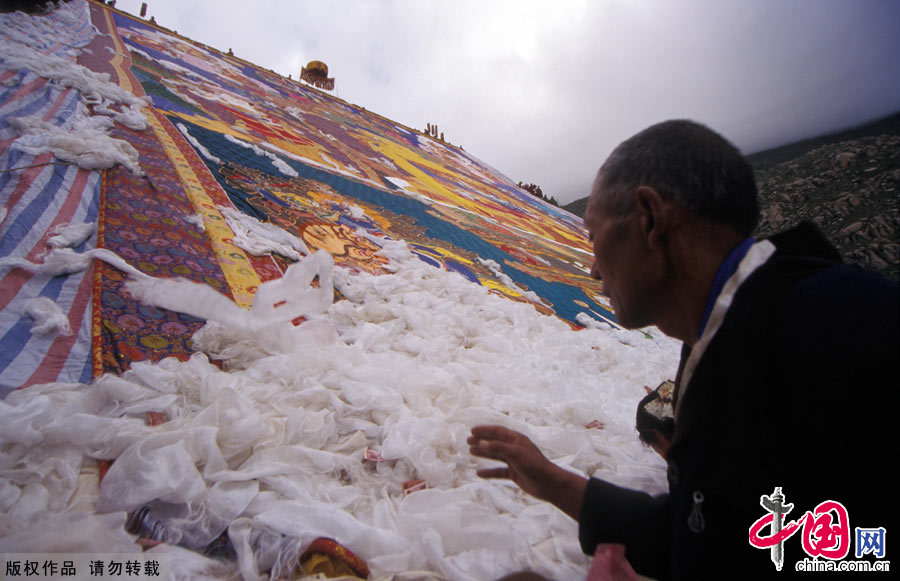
(845, 182)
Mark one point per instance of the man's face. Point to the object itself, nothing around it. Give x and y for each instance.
(620, 262)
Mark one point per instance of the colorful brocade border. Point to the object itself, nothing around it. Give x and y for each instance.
(242, 278)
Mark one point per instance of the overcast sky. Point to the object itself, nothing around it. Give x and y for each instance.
(543, 91)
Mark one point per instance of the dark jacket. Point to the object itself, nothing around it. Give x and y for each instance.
(795, 390)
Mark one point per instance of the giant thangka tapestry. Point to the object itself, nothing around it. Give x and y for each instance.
(240, 314)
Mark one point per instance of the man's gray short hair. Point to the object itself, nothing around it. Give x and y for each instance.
(685, 162)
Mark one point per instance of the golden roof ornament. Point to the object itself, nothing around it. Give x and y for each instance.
(316, 74)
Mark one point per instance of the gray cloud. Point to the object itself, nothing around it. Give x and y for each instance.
(543, 91)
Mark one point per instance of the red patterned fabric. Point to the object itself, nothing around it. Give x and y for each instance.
(144, 224)
(337, 552)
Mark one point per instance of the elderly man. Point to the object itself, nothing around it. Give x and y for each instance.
(787, 360)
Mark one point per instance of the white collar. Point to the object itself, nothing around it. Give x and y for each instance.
(758, 254)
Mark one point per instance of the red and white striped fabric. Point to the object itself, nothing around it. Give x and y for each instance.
(36, 200)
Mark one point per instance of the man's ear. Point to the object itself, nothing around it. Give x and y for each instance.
(654, 213)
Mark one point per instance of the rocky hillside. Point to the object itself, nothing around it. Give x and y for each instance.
(846, 183)
(849, 189)
(577, 207)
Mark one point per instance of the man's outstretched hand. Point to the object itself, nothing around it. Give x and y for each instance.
(527, 467)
